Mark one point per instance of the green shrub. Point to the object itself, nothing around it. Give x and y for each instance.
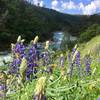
(90, 33)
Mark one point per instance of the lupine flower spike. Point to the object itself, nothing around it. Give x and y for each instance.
(88, 63)
(32, 59)
(47, 45)
(39, 92)
(36, 39)
(78, 64)
(73, 59)
(22, 70)
(19, 39)
(46, 57)
(18, 52)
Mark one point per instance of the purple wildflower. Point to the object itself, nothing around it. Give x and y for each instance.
(88, 64)
(43, 97)
(46, 58)
(20, 49)
(14, 67)
(2, 87)
(71, 63)
(98, 98)
(3, 90)
(78, 64)
(32, 59)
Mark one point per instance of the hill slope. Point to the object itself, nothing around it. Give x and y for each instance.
(92, 46)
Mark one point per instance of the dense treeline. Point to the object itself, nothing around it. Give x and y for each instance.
(18, 17)
(90, 32)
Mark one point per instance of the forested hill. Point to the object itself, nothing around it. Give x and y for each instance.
(18, 17)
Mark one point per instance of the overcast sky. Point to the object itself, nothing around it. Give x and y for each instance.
(86, 7)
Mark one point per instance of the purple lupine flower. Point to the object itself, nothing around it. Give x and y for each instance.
(70, 59)
(46, 58)
(3, 90)
(20, 49)
(32, 59)
(43, 97)
(78, 64)
(2, 87)
(88, 64)
(98, 99)
(14, 67)
(45, 61)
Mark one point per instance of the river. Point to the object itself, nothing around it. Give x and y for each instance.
(5, 57)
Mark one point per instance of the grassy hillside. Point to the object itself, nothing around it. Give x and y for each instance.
(92, 46)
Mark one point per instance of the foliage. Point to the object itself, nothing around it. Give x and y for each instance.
(90, 46)
(90, 32)
(64, 82)
(20, 17)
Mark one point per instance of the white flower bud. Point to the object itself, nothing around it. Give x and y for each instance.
(61, 55)
(22, 40)
(40, 86)
(36, 39)
(23, 65)
(19, 39)
(47, 45)
(12, 46)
